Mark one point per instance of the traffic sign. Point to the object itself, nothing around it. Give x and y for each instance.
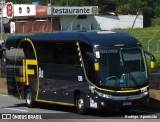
(9, 10)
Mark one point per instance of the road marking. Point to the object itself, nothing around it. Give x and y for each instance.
(3, 95)
(16, 109)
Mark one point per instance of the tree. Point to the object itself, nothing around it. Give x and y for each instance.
(149, 8)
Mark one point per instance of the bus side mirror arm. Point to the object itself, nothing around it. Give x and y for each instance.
(96, 64)
(152, 58)
(91, 55)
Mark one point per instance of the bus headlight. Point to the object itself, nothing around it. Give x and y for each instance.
(145, 93)
(103, 95)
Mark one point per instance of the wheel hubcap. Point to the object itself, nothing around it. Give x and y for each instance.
(28, 98)
(80, 103)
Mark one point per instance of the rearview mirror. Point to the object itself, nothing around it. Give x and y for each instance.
(152, 64)
(152, 58)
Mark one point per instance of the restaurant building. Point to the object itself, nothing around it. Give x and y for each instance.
(28, 18)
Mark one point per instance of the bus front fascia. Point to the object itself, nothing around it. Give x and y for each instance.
(95, 88)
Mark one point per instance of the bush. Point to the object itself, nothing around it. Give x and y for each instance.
(155, 22)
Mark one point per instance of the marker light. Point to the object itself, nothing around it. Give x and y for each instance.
(96, 66)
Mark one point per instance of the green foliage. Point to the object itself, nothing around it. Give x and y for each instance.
(144, 35)
(149, 8)
(157, 69)
(155, 22)
(156, 10)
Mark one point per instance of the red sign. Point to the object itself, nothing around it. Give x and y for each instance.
(9, 10)
(0, 6)
(41, 10)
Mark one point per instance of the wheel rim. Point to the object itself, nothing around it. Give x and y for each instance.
(28, 98)
(80, 104)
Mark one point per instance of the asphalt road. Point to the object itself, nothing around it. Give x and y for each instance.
(16, 109)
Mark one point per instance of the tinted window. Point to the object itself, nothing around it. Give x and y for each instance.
(57, 53)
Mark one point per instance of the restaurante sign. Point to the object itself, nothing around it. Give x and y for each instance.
(86, 10)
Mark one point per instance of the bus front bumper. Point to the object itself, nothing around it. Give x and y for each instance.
(117, 101)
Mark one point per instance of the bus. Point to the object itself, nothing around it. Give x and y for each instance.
(2, 59)
(85, 69)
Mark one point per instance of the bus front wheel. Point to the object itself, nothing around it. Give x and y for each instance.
(29, 99)
(80, 104)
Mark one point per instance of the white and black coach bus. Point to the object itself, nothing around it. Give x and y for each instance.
(86, 69)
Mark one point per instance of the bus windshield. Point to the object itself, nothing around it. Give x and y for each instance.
(121, 68)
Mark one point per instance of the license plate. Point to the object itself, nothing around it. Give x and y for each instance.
(127, 103)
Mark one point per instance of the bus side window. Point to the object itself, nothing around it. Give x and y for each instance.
(45, 52)
(59, 53)
(28, 50)
(88, 62)
(72, 56)
(66, 55)
(90, 69)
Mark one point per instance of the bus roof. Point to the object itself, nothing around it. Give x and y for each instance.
(101, 38)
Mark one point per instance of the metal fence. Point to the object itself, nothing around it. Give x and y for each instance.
(151, 45)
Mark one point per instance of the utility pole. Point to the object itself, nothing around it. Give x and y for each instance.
(67, 2)
(52, 18)
(1, 2)
(1, 17)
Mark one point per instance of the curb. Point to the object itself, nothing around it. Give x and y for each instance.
(3, 86)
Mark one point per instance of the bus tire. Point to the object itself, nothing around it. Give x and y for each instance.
(30, 103)
(80, 104)
(125, 110)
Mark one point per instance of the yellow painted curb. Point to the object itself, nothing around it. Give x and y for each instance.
(3, 86)
(155, 94)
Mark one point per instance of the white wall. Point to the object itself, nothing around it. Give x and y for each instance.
(120, 21)
(71, 22)
(104, 22)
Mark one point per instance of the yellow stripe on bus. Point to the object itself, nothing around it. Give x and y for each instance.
(54, 102)
(19, 79)
(124, 91)
(24, 71)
